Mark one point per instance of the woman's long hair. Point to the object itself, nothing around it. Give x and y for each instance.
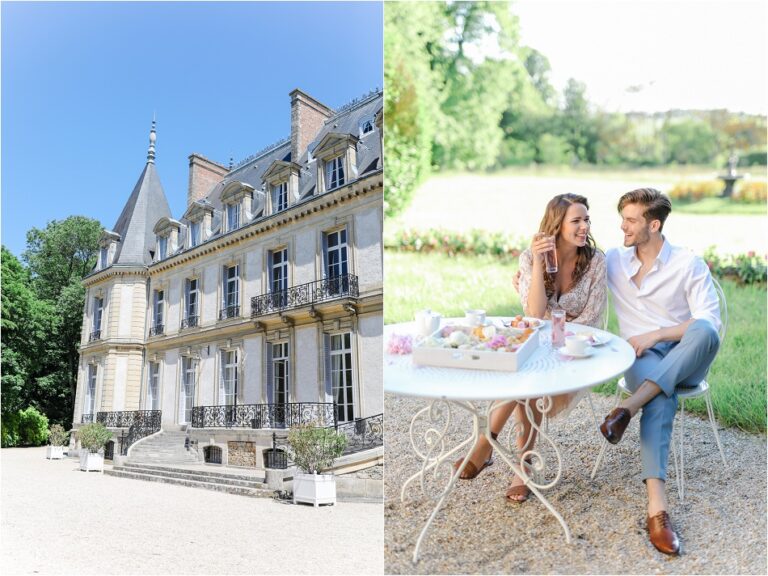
(552, 223)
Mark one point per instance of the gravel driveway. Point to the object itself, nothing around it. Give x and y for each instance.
(58, 520)
(722, 523)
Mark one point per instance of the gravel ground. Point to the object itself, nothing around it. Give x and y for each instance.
(722, 523)
(59, 520)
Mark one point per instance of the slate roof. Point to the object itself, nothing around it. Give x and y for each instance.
(146, 205)
(344, 121)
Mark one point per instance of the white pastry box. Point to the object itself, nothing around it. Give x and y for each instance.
(432, 352)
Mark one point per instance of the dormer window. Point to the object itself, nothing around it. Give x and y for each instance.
(337, 160)
(233, 216)
(280, 196)
(237, 199)
(334, 173)
(107, 249)
(167, 236)
(366, 126)
(199, 217)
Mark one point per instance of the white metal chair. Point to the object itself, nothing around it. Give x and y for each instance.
(683, 394)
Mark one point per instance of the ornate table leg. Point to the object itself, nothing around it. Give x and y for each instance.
(516, 461)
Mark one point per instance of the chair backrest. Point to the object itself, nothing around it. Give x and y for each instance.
(723, 310)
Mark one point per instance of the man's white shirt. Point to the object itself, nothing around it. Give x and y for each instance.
(678, 287)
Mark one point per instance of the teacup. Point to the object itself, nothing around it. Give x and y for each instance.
(475, 317)
(576, 344)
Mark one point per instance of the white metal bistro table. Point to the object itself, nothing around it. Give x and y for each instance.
(544, 375)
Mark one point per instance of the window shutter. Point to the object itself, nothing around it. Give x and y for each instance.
(222, 375)
(325, 255)
(327, 358)
(270, 376)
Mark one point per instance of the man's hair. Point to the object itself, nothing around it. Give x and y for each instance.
(657, 205)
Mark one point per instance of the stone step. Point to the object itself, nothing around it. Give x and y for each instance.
(197, 475)
(212, 472)
(215, 486)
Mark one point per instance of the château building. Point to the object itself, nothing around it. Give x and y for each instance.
(258, 308)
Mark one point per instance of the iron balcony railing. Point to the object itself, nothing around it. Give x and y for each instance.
(264, 415)
(140, 423)
(363, 433)
(95, 335)
(157, 329)
(189, 322)
(87, 418)
(305, 295)
(229, 312)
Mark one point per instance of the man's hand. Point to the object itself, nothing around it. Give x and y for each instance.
(642, 342)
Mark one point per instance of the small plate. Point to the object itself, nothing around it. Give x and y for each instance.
(587, 353)
(596, 339)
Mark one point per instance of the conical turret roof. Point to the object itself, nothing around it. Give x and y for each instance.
(146, 205)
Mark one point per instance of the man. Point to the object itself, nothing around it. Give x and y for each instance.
(668, 311)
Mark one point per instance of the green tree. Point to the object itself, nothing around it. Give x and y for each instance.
(577, 123)
(58, 258)
(689, 141)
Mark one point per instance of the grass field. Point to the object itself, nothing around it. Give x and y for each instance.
(450, 285)
(719, 206)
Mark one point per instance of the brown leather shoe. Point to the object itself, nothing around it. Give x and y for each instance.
(614, 425)
(662, 536)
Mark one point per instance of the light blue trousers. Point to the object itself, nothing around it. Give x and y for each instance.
(669, 365)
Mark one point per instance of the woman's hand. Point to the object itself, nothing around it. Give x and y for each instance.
(540, 244)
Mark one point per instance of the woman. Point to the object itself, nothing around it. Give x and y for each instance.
(578, 287)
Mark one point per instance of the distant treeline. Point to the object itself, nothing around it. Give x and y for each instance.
(462, 93)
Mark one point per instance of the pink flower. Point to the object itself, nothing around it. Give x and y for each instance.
(751, 253)
(498, 341)
(400, 344)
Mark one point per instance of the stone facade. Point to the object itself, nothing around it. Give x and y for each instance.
(264, 296)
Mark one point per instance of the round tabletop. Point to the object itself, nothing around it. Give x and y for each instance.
(545, 373)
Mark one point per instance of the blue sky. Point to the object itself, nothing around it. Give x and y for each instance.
(80, 82)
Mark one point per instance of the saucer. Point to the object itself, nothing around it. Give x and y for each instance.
(587, 353)
(595, 339)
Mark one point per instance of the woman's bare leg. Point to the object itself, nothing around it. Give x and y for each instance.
(525, 441)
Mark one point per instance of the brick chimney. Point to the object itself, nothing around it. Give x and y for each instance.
(203, 175)
(307, 118)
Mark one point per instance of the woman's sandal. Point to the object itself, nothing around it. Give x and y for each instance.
(518, 494)
(471, 471)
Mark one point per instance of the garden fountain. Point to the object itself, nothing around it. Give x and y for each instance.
(730, 177)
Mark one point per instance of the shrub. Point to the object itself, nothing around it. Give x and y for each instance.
(94, 436)
(10, 430)
(33, 427)
(753, 158)
(753, 192)
(694, 191)
(315, 449)
(748, 268)
(452, 243)
(57, 435)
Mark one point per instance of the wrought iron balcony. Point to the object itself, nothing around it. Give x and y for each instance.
(305, 295)
(229, 312)
(157, 330)
(264, 415)
(95, 335)
(87, 418)
(189, 322)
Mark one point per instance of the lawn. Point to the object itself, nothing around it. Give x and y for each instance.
(450, 285)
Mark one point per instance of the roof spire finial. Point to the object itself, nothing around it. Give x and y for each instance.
(231, 163)
(152, 138)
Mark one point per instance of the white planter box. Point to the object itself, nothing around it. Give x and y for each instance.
(91, 461)
(54, 452)
(314, 489)
(475, 359)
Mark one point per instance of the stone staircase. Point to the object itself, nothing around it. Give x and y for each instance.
(242, 484)
(167, 447)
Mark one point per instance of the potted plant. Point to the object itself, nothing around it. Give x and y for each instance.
(93, 437)
(57, 437)
(313, 450)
